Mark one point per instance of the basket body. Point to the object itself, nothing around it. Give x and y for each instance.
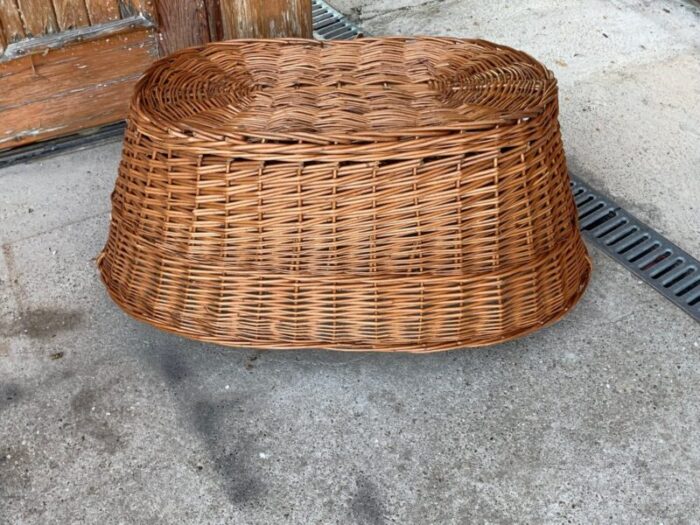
(379, 194)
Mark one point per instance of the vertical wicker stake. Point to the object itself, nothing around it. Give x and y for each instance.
(266, 18)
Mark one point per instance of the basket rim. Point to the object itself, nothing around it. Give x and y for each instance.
(151, 122)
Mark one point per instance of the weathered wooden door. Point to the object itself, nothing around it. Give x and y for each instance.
(68, 65)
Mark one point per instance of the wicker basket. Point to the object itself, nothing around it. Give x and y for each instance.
(379, 194)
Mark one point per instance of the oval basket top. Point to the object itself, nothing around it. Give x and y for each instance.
(370, 89)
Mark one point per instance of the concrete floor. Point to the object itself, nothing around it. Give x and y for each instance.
(596, 419)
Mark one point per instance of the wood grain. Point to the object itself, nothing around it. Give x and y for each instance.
(38, 16)
(101, 11)
(268, 19)
(216, 29)
(10, 21)
(183, 23)
(72, 88)
(70, 14)
(134, 7)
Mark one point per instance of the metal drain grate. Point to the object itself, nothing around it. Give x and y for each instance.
(640, 249)
(330, 24)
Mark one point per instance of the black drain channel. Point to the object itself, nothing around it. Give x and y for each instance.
(653, 258)
(85, 139)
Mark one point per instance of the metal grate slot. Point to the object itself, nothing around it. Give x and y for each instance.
(673, 277)
(641, 250)
(324, 25)
(631, 242)
(607, 227)
(330, 24)
(661, 269)
(653, 258)
(619, 234)
(687, 284)
(585, 211)
(694, 296)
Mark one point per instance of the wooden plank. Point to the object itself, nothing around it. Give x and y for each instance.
(183, 23)
(134, 7)
(70, 14)
(38, 16)
(40, 44)
(52, 75)
(10, 21)
(214, 20)
(107, 104)
(71, 88)
(268, 19)
(101, 11)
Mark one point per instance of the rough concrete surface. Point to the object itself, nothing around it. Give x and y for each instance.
(597, 419)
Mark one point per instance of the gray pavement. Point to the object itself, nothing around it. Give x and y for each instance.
(597, 419)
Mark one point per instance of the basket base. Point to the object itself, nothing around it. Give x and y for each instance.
(420, 348)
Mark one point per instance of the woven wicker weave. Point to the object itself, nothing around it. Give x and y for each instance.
(378, 194)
